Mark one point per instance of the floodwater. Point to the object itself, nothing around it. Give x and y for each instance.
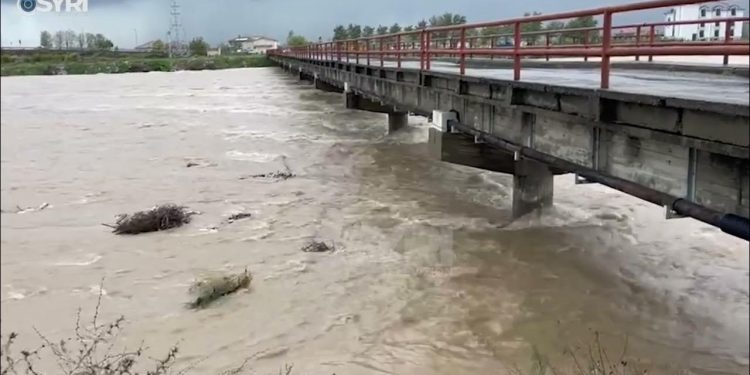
(429, 277)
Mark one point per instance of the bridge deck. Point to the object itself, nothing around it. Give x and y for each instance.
(697, 86)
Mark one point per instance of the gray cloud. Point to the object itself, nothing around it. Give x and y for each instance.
(219, 20)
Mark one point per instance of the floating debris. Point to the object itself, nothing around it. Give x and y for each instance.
(318, 247)
(192, 164)
(278, 175)
(211, 288)
(238, 216)
(158, 218)
(21, 210)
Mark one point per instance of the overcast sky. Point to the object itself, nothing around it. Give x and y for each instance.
(220, 20)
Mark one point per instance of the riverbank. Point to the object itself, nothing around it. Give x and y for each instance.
(62, 64)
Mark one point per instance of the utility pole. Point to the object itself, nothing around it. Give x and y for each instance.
(175, 28)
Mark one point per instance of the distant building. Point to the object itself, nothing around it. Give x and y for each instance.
(708, 30)
(214, 52)
(253, 44)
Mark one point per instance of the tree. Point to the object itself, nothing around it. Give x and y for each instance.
(198, 47)
(354, 31)
(382, 30)
(45, 39)
(69, 37)
(532, 26)
(422, 24)
(581, 23)
(59, 39)
(446, 19)
(395, 28)
(339, 33)
(90, 41)
(102, 43)
(497, 35)
(293, 40)
(81, 38)
(554, 25)
(410, 37)
(368, 31)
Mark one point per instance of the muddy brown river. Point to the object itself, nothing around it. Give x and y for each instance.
(430, 275)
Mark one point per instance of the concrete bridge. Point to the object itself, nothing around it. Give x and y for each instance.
(688, 154)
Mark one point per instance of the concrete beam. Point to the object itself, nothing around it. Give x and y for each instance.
(327, 87)
(461, 149)
(354, 101)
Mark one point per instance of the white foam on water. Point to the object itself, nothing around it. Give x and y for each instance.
(88, 260)
(252, 156)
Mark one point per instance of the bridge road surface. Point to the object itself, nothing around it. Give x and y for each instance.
(687, 85)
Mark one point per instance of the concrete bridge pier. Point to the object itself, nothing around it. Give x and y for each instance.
(532, 187)
(397, 120)
(532, 181)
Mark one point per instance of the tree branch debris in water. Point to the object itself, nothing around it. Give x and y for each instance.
(318, 247)
(156, 219)
(211, 288)
(279, 175)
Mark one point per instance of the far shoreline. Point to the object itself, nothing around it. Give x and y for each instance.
(50, 64)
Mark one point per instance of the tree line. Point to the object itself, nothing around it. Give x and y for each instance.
(69, 39)
(486, 35)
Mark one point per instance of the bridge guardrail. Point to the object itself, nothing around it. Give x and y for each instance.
(458, 41)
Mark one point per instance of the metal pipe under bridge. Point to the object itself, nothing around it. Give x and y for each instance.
(680, 140)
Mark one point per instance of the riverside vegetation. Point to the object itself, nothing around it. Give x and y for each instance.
(60, 62)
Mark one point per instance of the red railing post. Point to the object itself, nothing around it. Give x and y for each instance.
(346, 50)
(356, 51)
(516, 51)
(381, 52)
(367, 50)
(546, 46)
(728, 38)
(398, 51)
(492, 46)
(606, 43)
(428, 37)
(586, 43)
(637, 41)
(421, 49)
(651, 37)
(462, 51)
(338, 51)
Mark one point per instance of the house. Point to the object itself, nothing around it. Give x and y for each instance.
(253, 44)
(213, 52)
(707, 30)
(149, 46)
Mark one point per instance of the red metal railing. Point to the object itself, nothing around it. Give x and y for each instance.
(459, 41)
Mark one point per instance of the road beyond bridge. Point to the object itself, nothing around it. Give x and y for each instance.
(690, 155)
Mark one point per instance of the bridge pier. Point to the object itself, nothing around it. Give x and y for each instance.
(532, 181)
(397, 120)
(532, 187)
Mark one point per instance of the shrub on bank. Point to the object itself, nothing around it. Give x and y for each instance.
(73, 63)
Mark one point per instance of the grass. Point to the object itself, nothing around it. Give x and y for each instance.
(71, 63)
